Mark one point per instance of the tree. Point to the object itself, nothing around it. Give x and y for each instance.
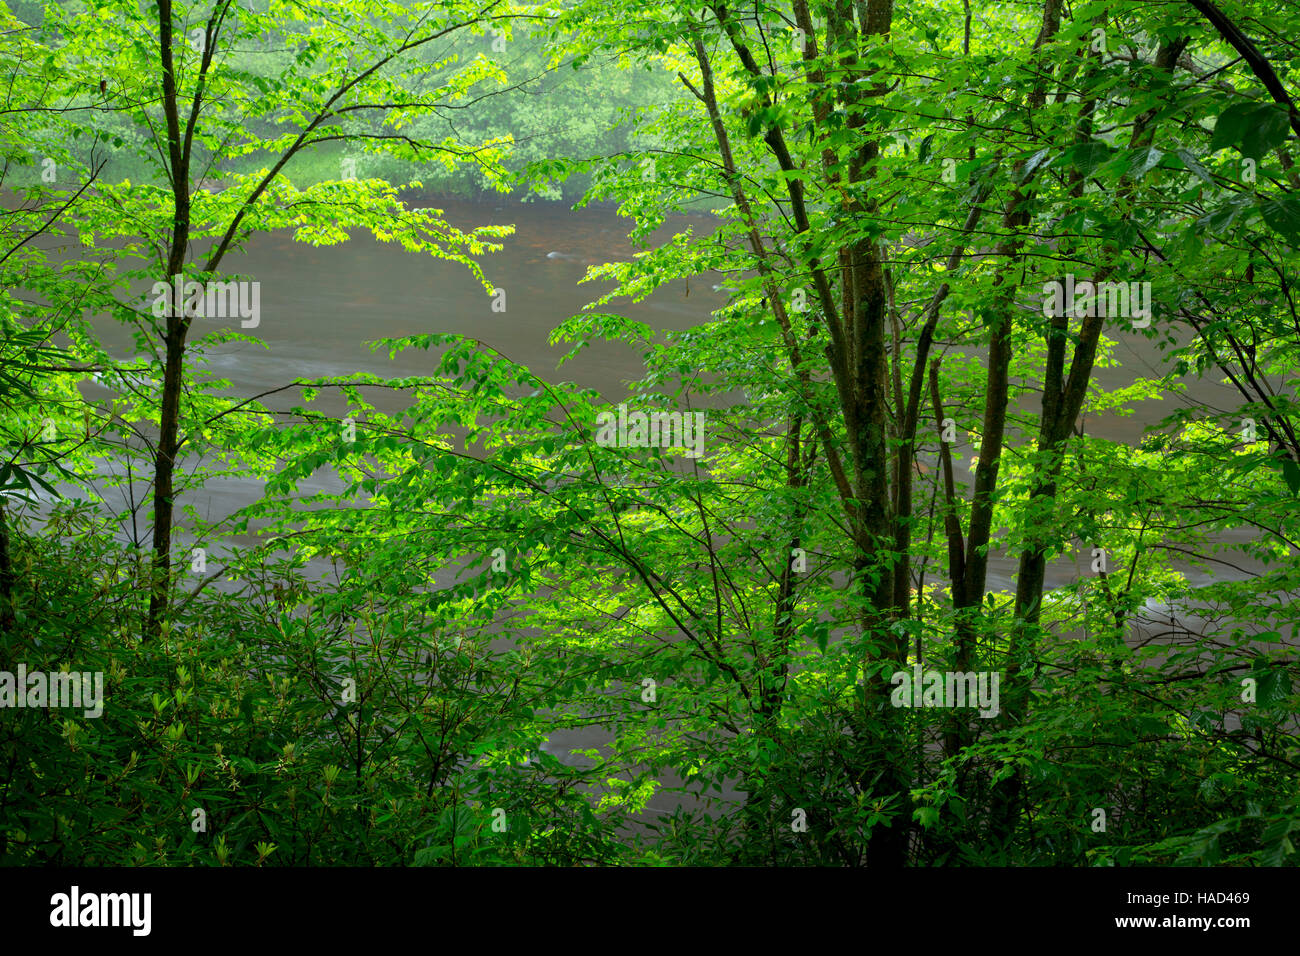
(200, 96)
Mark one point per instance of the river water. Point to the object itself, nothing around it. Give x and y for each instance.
(321, 305)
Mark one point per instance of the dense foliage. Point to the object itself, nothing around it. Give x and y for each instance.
(896, 186)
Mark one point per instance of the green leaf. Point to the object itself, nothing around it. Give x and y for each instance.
(1230, 127)
(1283, 216)
(926, 816)
(1086, 157)
(1194, 166)
(1253, 128)
(1142, 161)
(1034, 163)
(1267, 131)
(1291, 472)
(1222, 217)
(923, 153)
(1274, 687)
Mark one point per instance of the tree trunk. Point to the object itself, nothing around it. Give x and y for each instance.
(177, 326)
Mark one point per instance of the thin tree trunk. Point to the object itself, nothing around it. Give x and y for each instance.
(177, 327)
(6, 573)
(1062, 402)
